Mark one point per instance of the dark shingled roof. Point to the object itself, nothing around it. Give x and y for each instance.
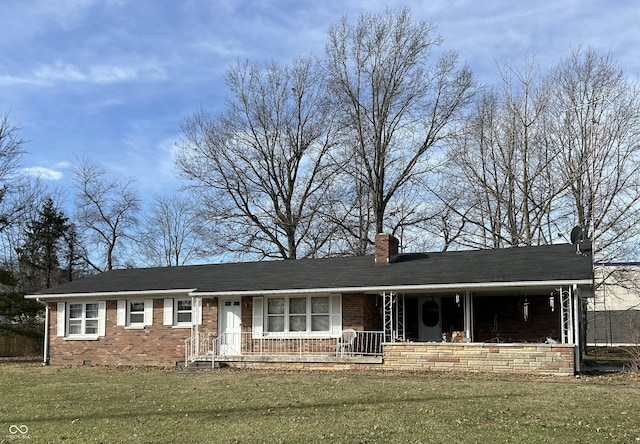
(512, 265)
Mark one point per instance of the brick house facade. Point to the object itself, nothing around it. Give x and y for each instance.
(397, 311)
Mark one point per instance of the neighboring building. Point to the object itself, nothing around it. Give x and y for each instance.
(511, 310)
(613, 315)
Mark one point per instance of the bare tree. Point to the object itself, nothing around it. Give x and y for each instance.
(107, 211)
(397, 103)
(594, 126)
(11, 151)
(171, 233)
(262, 167)
(508, 190)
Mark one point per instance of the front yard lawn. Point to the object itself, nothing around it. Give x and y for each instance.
(83, 405)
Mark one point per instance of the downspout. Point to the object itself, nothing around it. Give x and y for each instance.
(576, 327)
(45, 358)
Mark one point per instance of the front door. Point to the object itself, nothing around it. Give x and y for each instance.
(430, 319)
(230, 327)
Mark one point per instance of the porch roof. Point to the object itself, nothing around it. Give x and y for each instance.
(523, 266)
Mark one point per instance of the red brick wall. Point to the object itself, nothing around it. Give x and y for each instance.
(246, 316)
(155, 345)
(209, 315)
(163, 345)
(360, 312)
(502, 317)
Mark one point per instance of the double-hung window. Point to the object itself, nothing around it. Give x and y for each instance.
(298, 314)
(81, 320)
(182, 312)
(134, 313)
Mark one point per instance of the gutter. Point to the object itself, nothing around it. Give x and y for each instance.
(107, 294)
(399, 288)
(295, 291)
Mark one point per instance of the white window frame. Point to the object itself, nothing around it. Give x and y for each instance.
(261, 320)
(171, 312)
(123, 313)
(64, 319)
(177, 312)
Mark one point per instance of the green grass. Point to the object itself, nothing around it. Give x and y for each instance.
(83, 405)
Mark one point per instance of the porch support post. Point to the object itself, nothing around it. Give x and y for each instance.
(387, 301)
(468, 317)
(575, 297)
(195, 337)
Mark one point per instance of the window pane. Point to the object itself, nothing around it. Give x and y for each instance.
(297, 305)
(137, 306)
(91, 327)
(320, 323)
(275, 306)
(275, 324)
(298, 323)
(75, 327)
(136, 318)
(184, 304)
(75, 311)
(91, 311)
(320, 305)
(184, 317)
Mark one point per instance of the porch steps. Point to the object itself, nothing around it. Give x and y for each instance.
(202, 364)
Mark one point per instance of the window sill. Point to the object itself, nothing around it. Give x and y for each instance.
(134, 327)
(82, 338)
(181, 326)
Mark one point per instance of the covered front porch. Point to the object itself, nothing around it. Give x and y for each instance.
(518, 329)
(490, 318)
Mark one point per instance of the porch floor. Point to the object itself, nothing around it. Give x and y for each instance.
(307, 361)
(304, 358)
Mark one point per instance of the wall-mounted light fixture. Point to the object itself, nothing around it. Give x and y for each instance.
(552, 302)
(525, 309)
(458, 299)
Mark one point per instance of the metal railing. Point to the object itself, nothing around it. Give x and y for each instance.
(206, 346)
(198, 346)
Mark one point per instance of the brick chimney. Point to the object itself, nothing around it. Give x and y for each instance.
(385, 246)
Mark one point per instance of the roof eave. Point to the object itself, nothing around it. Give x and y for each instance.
(397, 288)
(464, 286)
(109, 294)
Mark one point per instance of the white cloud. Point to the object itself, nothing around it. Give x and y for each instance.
(98, 74)
(43, 172)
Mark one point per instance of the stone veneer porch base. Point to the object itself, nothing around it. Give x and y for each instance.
(541, 359)
(536, 359)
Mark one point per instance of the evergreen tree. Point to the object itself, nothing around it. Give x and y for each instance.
(45, 249)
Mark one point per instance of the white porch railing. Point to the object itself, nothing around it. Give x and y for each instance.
(198, 346)
(206, 346)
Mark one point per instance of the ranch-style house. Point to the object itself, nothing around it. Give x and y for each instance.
(518, 309)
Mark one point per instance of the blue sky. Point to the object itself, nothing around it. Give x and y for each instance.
(111, 80)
